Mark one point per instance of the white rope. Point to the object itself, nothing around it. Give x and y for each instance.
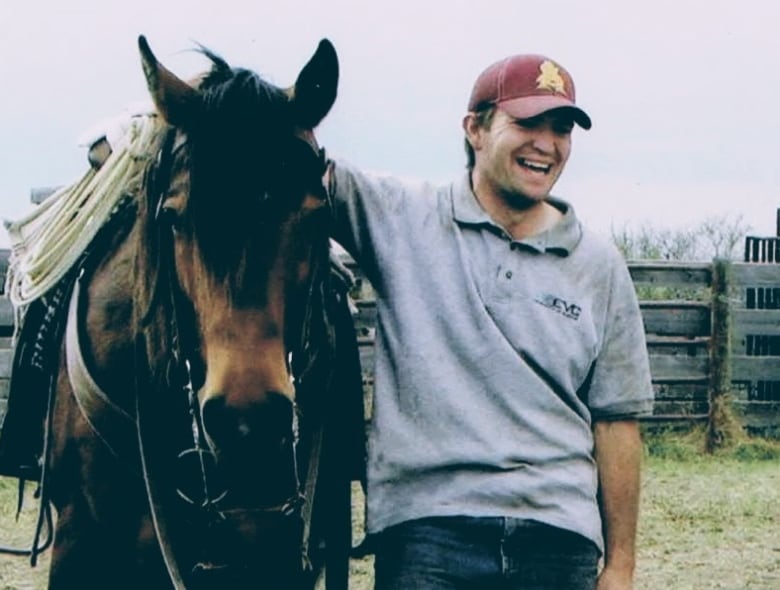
(46, 244)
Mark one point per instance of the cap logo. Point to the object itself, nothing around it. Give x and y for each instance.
(550, 78)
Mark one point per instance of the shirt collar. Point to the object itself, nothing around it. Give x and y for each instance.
(561, 239)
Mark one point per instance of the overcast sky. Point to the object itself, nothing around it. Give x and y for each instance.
(684, 94)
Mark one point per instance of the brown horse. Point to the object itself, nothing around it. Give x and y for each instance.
(184, 435)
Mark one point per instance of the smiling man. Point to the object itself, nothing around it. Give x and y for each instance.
(510, 361)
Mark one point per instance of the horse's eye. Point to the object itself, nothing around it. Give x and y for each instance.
(170, 217)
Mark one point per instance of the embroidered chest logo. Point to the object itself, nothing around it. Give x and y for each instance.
(550, 78)
(561, 306)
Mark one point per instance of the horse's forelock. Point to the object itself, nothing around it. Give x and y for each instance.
(233, 151)
(234, 155)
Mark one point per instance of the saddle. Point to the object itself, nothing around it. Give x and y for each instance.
(69, 224)
(36, 362)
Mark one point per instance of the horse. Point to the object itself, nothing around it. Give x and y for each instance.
(185, 429)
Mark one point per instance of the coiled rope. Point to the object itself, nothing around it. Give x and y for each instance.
(47, 243)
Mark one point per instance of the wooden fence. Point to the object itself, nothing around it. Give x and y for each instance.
(6, 333)
(704, 323)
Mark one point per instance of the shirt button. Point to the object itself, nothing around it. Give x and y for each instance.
(508, 274)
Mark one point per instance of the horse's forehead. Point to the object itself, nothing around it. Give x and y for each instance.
(183, 141)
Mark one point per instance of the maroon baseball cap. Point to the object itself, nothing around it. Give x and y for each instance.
(526, 86)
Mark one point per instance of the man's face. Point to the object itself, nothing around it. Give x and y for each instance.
(521, 159)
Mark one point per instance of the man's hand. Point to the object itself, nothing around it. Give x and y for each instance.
(610, 579)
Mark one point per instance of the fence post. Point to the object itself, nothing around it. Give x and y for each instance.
(722, 425)
(777, 223)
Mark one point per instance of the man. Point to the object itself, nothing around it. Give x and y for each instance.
(510, 360)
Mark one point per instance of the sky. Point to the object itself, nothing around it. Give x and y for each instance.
(684, 94)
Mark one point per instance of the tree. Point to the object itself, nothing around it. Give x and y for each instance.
(714, 237)
(649, 243)
(723, 234)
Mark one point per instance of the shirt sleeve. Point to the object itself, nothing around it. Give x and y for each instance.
(358, 199)
(370, 211)
(621, 385)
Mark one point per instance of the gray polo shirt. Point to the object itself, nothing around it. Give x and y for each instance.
(493, 356)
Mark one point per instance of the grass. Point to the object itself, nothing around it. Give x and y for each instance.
(707, 521)
(689, 447)
(710, 524)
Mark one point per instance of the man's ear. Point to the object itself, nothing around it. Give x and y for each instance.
(473, 130)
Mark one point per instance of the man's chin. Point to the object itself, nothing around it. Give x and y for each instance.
(525, 200)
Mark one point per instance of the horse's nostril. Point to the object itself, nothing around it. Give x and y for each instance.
(252, 439)
(267, 422)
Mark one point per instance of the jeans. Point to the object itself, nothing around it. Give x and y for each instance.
(491, 553)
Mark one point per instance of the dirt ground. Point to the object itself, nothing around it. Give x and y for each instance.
(15, 571)
(705, 524)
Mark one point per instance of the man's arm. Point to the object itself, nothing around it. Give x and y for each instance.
(618, 457)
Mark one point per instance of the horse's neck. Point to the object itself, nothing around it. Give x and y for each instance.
(107, 318)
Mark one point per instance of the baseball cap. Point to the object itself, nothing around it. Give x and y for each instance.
(526, 86)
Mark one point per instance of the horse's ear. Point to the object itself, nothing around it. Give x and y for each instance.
(315, 89)
(176, 101)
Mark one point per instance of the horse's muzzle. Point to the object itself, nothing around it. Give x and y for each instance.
(254, 448)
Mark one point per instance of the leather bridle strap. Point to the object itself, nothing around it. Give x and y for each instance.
(146, 391)
(309, 489)
(306, 368)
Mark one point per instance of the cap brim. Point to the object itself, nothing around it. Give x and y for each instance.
(532, 106)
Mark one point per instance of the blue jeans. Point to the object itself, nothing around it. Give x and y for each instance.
(493, 553)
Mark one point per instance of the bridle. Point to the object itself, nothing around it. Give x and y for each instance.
(310, 363)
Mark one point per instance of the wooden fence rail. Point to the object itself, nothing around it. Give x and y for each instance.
(676, 305)
(691, 341)
(684, 335)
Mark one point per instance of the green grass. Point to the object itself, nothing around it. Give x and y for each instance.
(690, 446)
(707, 521)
